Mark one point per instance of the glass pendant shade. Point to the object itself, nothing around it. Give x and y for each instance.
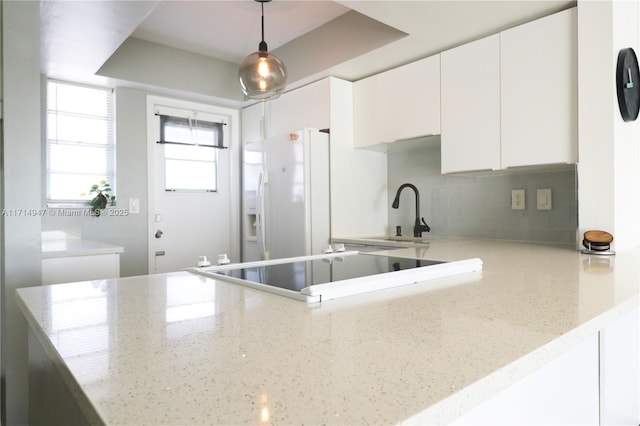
(262, 75)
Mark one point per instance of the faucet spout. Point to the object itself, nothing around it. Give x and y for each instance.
(418, 227)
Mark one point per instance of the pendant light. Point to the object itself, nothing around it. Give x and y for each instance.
(262, 74)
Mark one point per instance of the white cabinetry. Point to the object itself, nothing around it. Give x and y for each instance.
(80, 268)
(307, 106)
(595, 382)
(620, 371)
(415, 99)
(562, 392)
(399, 104)
(539, 95)
(371, 110)
(470, 106)
(510, 99)
(66, 260)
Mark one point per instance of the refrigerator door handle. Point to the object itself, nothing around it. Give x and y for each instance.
(261, 214)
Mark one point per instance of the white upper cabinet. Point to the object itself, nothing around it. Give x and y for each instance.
(415, 98)
(511, 99)
(371, 105)
(290, 112)
(298, 109)
(539, 91)
(470, 106)
(399, 104)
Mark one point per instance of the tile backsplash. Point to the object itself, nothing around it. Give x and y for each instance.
(479, 206)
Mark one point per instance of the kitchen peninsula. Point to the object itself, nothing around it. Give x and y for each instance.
(181, 348)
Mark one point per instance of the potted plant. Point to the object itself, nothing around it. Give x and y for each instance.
(102, 197)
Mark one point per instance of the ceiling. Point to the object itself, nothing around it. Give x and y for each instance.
(163, 43)
(230, 30)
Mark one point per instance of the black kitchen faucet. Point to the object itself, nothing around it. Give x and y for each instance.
(418, 228)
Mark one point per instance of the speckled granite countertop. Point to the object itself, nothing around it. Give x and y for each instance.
(185, 349)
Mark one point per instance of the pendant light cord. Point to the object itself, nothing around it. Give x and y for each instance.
(262, 47)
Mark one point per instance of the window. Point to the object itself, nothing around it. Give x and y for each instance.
(80, 141)
(190, 154)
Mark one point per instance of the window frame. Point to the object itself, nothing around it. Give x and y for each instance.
(193, 116)
(82, 201)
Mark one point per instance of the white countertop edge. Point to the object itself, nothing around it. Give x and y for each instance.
(464, 400)
(74, 253)
(81, 399)
(71, 248)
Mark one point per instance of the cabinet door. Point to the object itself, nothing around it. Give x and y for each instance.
(620, 371)
(562, 392)
(371, 105)
(470, 105)
(69, 269)
(402, 103)
(307, 106)
(540, 91)
(415, 98)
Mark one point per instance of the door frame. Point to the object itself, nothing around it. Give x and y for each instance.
(233, 144)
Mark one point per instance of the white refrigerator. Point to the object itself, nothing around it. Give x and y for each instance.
(286, 209)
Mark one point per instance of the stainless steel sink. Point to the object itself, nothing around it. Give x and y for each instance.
(382, 242)
(415, 240)
(398, 241)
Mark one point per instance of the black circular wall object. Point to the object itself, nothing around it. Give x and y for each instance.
(628, 84)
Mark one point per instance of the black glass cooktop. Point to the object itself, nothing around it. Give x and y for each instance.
(298, 275)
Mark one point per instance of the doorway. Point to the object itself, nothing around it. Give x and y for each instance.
(193, 176)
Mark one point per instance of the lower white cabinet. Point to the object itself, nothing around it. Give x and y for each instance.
(67, 269)
(597, 382)
(562, 392)
(620, 371)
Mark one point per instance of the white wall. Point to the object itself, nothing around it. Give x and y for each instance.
(479, 206)
(626, 136)
(129, 231)
(609, 161)
(154, 64)
(22, 190)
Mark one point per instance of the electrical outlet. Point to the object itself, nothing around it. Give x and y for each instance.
(517, 199)
(543, 196)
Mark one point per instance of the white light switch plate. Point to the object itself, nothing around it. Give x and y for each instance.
(517, 199)
(134, 206)
(544, 199)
